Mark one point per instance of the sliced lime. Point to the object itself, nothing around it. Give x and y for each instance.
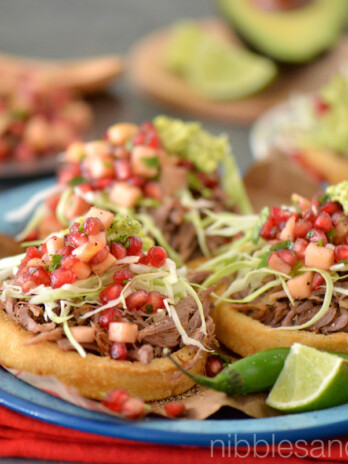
(184, 38)
(220, 71)
(311, 379)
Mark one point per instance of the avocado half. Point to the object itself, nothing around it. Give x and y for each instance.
(292, 36)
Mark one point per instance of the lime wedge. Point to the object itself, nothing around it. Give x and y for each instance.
(310, 380)
(219, 71)
(184, 38)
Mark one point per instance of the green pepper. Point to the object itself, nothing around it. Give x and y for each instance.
(254, 373)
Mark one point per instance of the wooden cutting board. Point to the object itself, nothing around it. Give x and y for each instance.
(171, 91)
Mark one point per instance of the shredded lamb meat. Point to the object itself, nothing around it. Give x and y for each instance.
(274, 309)
(180, 234)
(152, 336)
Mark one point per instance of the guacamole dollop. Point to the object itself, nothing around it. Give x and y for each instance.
(339, 192)
(189, 141)
(123, 227)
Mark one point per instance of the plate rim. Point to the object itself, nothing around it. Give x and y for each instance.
(317, 424)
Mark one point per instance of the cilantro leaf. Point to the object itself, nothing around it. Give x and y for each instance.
(55, 262)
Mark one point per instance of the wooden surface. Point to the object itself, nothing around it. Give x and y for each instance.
(9, 247)
(84, 76)
(163, 87)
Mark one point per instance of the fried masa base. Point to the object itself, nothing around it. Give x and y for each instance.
(246, 336)
(332, 167)
(93, 376)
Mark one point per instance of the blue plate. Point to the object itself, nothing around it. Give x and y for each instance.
(30, 401)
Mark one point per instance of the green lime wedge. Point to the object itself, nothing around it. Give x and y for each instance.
(185, 37)
(310, 380)
(220, 71)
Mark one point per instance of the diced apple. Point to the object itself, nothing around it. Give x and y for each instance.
(300, 287)
(49, 225)
(125, 195)
(123, 332)
(83, 334)
(53, 244)
(87, 251)
(145, 161)
(82, 270)
(97, 149)
(300, 202)
(276, 263)
(319, 256)
(75, 152)
(288, 232)
(100, 268)
(99, 237)
(106, 217)
(75, 207)
(100, 167)
(119, 134)
(37, 262)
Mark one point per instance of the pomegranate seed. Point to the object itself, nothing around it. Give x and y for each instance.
(147, 126)
(337, 218)
(85, 188)
(154, 302)
(116, 399)
(268, 230)
(279, 215)
(93, 226)
(213, 366)
(65, 251)
(299, 247)
(109, 315)
(302, 228)
(134, 408)
(68, 262)
(136, 300)
(118, 351)
(76, 240)
(317, 235)
(139, 139)
(123, 169)
(33, 252)
(331, 207)
(134, 245)
(101, 184)
(39, 276)
(175, 409)
(144, 259)
(111, 292)
(318, 281)
(157, 256)
(118, 250)
(136, 181)
(122, 277)
(100, 256)
(153, 140)
(324, 222)
(75, 228)
(61, 277)
(309, 215)
(320, 106)
(341, 253)
(288, 256)
(153, 190)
